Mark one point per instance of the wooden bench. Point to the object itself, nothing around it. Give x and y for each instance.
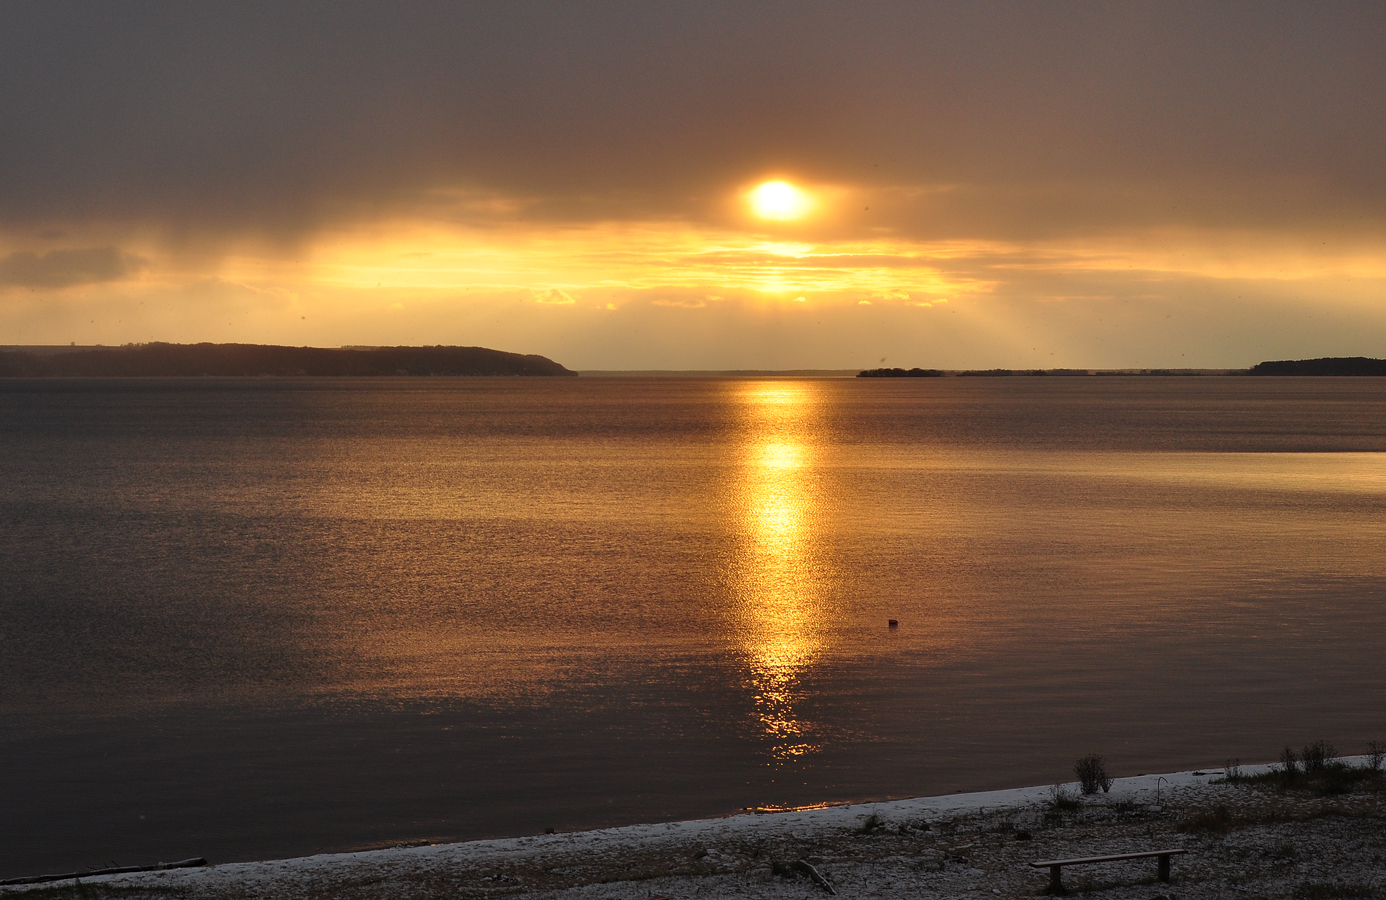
(1055, 866)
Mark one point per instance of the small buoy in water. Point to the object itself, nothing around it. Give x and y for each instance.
(894, 623)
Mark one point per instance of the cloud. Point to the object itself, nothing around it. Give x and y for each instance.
(276, 121)
(63, 268)
(553, 297)
(681, 302)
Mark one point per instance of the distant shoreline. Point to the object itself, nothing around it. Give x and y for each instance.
(253, 360)
(1344, 366)
(158, 360)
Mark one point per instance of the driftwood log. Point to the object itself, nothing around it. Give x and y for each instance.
(119, 870)
(805, 866)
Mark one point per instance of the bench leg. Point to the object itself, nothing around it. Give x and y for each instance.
(1056, 885)
(1164, 868)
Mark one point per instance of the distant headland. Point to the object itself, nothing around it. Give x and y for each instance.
(1341, 366)
(191, 360)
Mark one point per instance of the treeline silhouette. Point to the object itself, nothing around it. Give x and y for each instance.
(1342, 365)
(900, 373)
(158, 359)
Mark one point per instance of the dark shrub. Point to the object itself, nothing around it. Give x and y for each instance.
(1317, 755)
(1290, 762)
(1092, 774)
(872, 824)
(1061, 801)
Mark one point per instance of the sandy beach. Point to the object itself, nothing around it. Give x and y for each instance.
(1243, 839)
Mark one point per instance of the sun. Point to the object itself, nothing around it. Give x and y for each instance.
(780, 200)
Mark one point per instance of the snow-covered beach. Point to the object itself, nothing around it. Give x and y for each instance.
(1243, 839)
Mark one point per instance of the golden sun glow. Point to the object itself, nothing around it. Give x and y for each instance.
(412, 270)
(416, 258)
(780, 201)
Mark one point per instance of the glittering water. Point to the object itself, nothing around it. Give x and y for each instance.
(269, 617)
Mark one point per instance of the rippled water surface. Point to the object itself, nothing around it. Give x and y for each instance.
(269, 617)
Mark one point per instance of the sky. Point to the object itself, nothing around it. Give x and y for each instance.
(965, 185)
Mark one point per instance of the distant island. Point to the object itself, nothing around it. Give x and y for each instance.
(1345, 365)
(190, 360)
(900, 373)
(1342, 365)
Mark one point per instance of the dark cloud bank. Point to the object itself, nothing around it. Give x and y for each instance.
(220, 118)
(62, 268)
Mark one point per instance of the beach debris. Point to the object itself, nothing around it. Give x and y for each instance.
(893, 623)
(807, 868)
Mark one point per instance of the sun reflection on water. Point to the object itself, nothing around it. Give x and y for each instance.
(778, 578)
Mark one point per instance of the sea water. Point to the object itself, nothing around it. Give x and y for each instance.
(270, 617)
